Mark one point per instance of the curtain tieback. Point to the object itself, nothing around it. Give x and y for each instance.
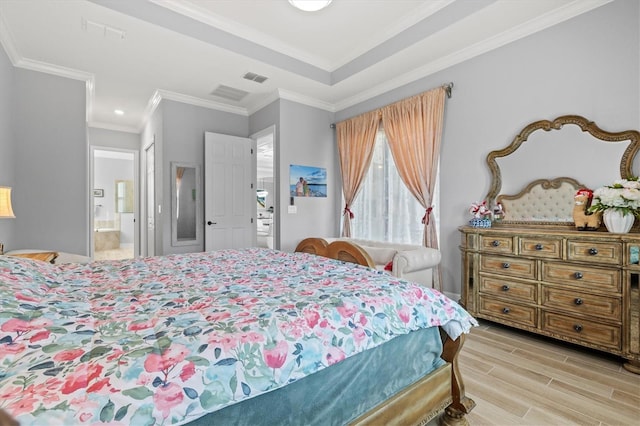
(348, 210)
(427, 214)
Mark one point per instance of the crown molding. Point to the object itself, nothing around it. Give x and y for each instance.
(192, 100)
(152, 105)
(306, 100)
(557, 16)
(377, 38)
(110, 126)
(205, 16)
(7, 41)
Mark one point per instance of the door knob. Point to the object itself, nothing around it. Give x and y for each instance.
(211, 223)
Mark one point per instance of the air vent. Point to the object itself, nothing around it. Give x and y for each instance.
(230, 93)
(255, 77)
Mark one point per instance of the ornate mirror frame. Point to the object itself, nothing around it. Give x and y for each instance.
(625, 167)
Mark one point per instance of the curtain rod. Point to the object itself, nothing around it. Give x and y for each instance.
(447, 88)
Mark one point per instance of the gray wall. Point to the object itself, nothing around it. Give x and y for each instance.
(307, 139)
(588, 66)
(183, 128)
(107, 138)
(7, 169)
(266, 117)
(151, 135)
(50, 136)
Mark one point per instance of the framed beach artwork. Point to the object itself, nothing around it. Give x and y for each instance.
(307, 181)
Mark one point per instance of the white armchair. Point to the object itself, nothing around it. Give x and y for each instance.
(410, 262)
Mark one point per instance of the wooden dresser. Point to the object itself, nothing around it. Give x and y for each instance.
(580, 287)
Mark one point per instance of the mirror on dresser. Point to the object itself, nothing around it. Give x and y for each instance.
(568, 151)
(534, 270)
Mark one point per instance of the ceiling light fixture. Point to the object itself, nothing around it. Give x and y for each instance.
(118, 112)
(310, 5)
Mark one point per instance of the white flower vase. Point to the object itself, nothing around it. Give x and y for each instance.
(617, 222)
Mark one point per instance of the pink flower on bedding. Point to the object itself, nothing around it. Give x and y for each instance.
(101, 386)
(117, 353)
(225, 342)
(312, 318)
(11, 349)
(165, 361)
(26, 298)
(276, 356)
(40, 335)
(405, 314)
(218, 316)
(188, 370)
(81, 377)
(251, 337)
(347, 309)
(10, 392)
(359, 335)
(334, 355)
(22, 405)
(142, 325)
(19, 326)
(68, 355)
(166, 397)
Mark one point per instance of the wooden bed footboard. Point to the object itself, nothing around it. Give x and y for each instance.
(440, 393)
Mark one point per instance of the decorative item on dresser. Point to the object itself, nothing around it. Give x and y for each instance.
(535, 271)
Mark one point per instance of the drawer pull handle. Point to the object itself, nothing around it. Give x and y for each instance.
(505, 288)
(506, 265)
(506, 310)
(577, 328)
(578, 275)
(539, 247)
(495, 243)
(578, 301)
(593, 251)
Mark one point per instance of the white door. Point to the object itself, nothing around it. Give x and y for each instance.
(229, 192)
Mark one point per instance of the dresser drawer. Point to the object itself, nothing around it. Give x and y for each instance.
(588, 331)
(549, 248)
(592, 278)
(510, 289)
(508, 311)
(586, 304)
(496, 244)
(597, 252)
(511, 266)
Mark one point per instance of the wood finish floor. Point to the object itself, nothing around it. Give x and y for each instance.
(518, 378)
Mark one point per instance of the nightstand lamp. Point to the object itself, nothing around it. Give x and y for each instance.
(6, 211)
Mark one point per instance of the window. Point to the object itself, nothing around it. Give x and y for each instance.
(384, 209)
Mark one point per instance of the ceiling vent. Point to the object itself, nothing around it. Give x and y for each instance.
(229, 93)
(255, 77)
(104, 30)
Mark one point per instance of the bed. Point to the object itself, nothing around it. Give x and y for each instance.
(253, 336)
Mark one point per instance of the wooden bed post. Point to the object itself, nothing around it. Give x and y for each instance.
(455, 413)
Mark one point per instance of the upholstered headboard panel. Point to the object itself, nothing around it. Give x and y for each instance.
(542, 200)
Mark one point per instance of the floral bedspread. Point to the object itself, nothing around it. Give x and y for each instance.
(165, 340)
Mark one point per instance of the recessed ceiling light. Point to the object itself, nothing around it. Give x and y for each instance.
(310, 5)
(118, 112)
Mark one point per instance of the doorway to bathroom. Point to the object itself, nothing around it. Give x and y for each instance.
(266, 191)
(115, 204)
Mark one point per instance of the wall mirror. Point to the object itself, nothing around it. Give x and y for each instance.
(186, 204)
(537, 175)
(124, 196)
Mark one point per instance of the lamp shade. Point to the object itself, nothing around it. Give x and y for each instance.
(5, 202)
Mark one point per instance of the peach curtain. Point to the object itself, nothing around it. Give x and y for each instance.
(414, 130)
(356, 139)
